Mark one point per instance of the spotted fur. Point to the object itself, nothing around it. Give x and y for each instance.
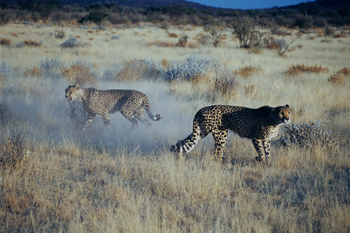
(130, 103)
(259, 125)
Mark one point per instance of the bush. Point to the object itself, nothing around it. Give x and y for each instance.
(280, 46)
(182, 41)
(329, 31)
(15, 151)
(81, 74)
(52, 63)
(192, 67)
(309, 135)
(4, 68)
(225, 82)
(73, 42)
(60, 33)
(136, 70)
(243, 29)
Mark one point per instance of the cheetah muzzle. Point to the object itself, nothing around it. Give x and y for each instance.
(132, 104)
(260, 125)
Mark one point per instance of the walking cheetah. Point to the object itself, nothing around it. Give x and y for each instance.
(130, 103)
(259, 125)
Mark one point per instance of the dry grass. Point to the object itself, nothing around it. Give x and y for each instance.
(162, 44)
(15, 152)
(136, 70)
(246, 71)
(79, 74)
(99, 181)
(32, 43)
(339, 35)
(345, 71)
(337, 79)
(299, 69)
(5, 41)
(173, 35)
(35, 71)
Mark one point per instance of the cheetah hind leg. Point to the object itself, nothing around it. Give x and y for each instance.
(143, 120)
(130, 116)
(220, 138)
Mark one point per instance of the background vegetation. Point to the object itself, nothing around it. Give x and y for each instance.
(53, 177)
(307, 15)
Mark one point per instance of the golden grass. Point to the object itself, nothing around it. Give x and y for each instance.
(94, 181)
(32, 43)
(301, 68)
(345, 71)
(5, 41)
(162, 44)
(174, 35)
(35, 71)
(337, 79)
(246, 71)
(79, 74)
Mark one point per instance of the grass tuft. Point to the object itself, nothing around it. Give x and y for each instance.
(136, 70)
(299, 69)
(15, 151)
(35, 71)
(246, 71)
(5, 41)
(79, 73)
(33, 43)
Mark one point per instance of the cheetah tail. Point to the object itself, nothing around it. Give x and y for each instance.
(149, 113)
(188, 143)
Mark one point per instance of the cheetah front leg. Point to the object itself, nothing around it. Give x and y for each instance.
(259, 149)
(105, 119)
(88, 121)
(266, 144)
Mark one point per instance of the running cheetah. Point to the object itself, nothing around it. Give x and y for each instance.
(259, 125)
(130, 103)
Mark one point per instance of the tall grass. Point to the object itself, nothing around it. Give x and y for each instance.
(99, 180)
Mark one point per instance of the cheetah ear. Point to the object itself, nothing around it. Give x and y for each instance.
(77, 85)
(287, 105)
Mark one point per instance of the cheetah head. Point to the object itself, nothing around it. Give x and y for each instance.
(282, 114)
(73, 92)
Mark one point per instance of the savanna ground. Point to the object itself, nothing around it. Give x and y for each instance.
(102, 181)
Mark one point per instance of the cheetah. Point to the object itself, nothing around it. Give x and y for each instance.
(259, 125)
(130, 103)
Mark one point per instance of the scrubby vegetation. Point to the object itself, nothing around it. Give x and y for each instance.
(54, 177)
